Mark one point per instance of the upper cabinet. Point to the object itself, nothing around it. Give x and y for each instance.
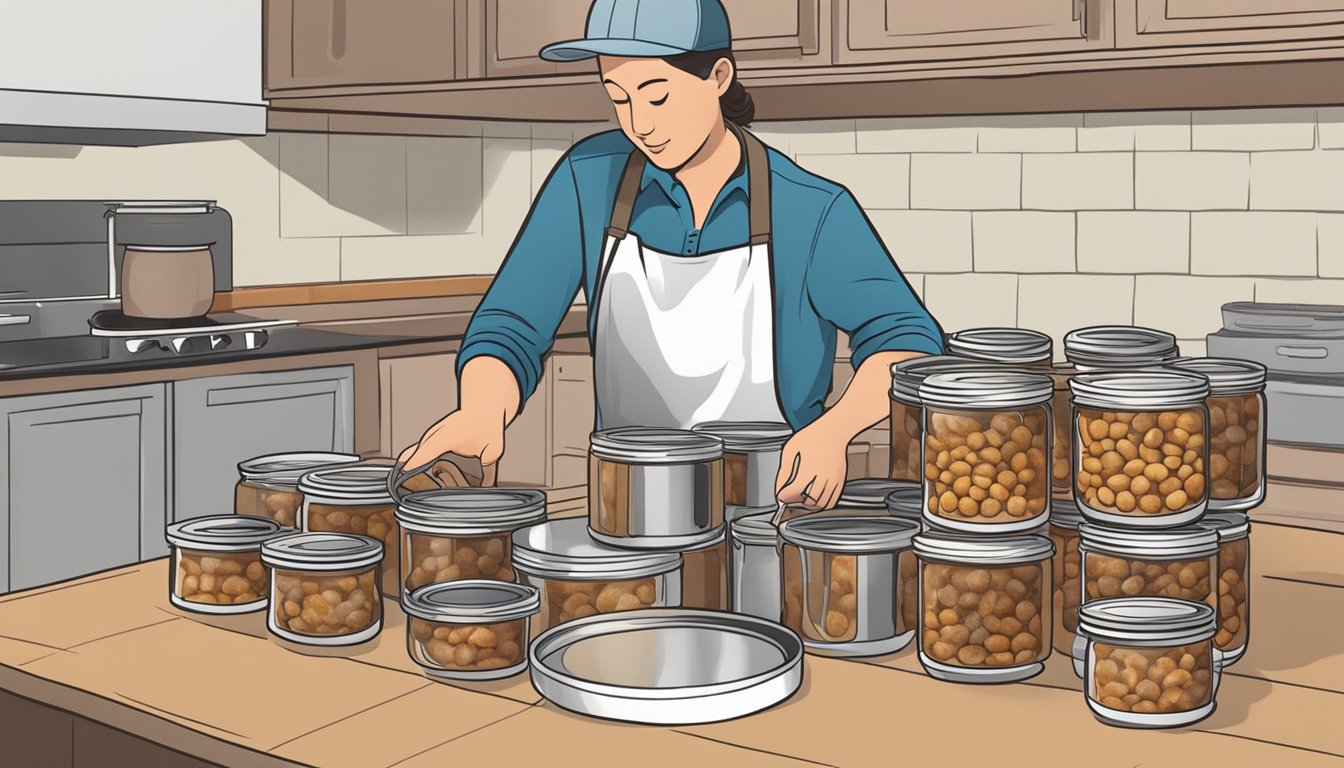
(1202, 22)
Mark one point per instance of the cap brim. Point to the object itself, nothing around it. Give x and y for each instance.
(578, 50)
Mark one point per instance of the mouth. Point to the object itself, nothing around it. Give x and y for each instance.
(657, 148)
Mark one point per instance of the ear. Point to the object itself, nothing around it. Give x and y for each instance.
(722, 74)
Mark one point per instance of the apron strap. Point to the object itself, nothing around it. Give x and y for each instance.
(625, 195)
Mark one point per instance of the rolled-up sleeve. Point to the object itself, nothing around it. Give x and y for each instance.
(853, 282)
(517, 319)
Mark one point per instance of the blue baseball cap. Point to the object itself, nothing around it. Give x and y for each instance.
(647, 29)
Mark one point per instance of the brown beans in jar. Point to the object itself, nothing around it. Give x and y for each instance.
(1234, 446)
(376, 521)
(1066, 573)
(278, 504)
(1184, 579)
(328, 603)
(1233, 599)
(568, 600)
(986, 468)
(1152, 680)
(469, 647)
(216, 578)
(985, 616)
(434, 558)
(1141, 463)
(905, 441)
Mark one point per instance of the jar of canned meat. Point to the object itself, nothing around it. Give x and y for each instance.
(985, 603)
(753, 566)
(470, 629)
(216, 565)
(1236, 430)
(1149, 661)
(324, 588)
(1234, 584)
(986, 439)
(579, 576)
(1015, 347)
(461, 533)
(751, 452)
(906, 502)
(655, 488)
(848, 582)
(907, 414)
(354, 499)
(704, 575)
(1140, 447)
(268, 486)
(1066, 573)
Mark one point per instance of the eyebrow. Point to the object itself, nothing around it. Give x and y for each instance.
(641, 86)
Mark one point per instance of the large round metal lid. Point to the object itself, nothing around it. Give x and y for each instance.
(655, 446)
(287, 468)
(1147, 620)
(1227, 376)
(747, 435)
(871, 492)
(986, 389)
(907, 375)
(1167, 543)
(353, 483)
(977, 548)
(1010, 346)
(1103, 346)
(472, 601)
(852, 535)
(321, 551)
(758, 529)
(1138, 390)
(471, 511)
(1229, 525)
(907, 501)
(562, 549)
(225, 532)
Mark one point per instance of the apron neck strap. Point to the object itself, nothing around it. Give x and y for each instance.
(758, 191)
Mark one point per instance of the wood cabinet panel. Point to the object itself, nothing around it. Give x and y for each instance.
(1142, 23)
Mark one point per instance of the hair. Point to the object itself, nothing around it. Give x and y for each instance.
(735, 102)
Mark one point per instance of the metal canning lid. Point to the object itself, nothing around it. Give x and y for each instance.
(1138, 390)
(1227, 376)
(472, 601)
(907, 375)
(872, 492)
(287, 468)
(1119, 345)
(1062, 517)
(986, 389)
(981, 549)
(853, 535)
(655, 446)
(1010, 346)
(471, 511)
(731, 513)
(1168, 544)
(757, 530)
(354, 483)
(562, 549)
(1230, 526)
(321, 551)
(223, 533)
(906, 501)
(1146, 620)
(747, 436)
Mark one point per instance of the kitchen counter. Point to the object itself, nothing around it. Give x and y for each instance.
(108, 649)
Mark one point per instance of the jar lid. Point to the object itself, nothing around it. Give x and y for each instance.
(472, 601)
(732, 512)
(907, 501)
(1123, 346)
(655, 446)
(977, 548)
(1010, 346)
(854, 535)
(1065, 516)
(1138, 390)
(757, 530)
(224, 532)
(907, 375)
(562, 549)
(359, 482)
(1167, 543)
(747, 435)
(287, 468)
(1147, 620)
(321, 551)
(872, 492)
(1227, 376)
(986, 389)
(471, 511)
(1230, 526)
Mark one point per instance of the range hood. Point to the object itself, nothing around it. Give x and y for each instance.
(130, 73)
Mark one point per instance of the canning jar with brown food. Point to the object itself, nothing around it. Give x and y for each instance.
(216, 563)
(1236, 430)
(470, 629)
(1067, 577)
(268, 486)
(461, 533)
(655, 488)
(907, 414)
(1234, 584)
(704, 575)
(751, 452)
(324, 588)
(354, 499)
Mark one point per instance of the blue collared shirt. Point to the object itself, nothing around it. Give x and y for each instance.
(829, 268)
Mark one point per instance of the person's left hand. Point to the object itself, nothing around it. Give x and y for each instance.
(812, 466)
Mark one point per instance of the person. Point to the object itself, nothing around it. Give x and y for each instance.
(716, 270)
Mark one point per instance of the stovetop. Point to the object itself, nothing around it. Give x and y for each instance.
(211, 333)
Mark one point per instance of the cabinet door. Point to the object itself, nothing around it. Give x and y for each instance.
(575, 408)
(361, 42)
(85, 480)
(1141, 23)
(896, 31)
(220, 421)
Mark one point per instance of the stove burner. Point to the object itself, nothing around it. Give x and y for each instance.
(197, 335)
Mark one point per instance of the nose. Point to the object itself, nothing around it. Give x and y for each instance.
(641, 122)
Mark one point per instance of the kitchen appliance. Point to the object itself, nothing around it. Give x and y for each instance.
(167, 282)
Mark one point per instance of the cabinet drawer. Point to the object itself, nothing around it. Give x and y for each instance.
(1143, 23)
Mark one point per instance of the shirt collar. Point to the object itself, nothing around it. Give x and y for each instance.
(666, 181)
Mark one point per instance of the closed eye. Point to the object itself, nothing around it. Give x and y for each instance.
(659, 102)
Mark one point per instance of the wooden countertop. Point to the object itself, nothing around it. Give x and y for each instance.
(110, 648)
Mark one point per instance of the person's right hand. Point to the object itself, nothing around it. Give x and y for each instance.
(465, 433)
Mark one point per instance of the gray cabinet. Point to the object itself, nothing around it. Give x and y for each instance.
(85, 479)
(220, 421)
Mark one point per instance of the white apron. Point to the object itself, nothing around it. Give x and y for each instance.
(682, 340)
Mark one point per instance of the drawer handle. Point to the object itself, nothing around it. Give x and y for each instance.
(338, 28)
(15, 319)
(1305, 353)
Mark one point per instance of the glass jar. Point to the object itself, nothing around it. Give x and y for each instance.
(987, 436)
(354, 499)
(470, 629)
(751, 452)
(1236, 430)
(324, 588)
(216, 563)
(753, 566)
(655, 488)
(1066, 571)
(268, 486)
(1234, 584)
(704, 575)
(906, 502)
(461, 533)
(869, 494)
(1140, 447)
(1149, 661)
(579, 576)
(845, 580)
(986, 606)
(907, 414)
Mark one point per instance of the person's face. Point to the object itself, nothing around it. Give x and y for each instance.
(666, 112)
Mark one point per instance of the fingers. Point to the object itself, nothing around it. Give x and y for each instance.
(408, 453)
(788, 467)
